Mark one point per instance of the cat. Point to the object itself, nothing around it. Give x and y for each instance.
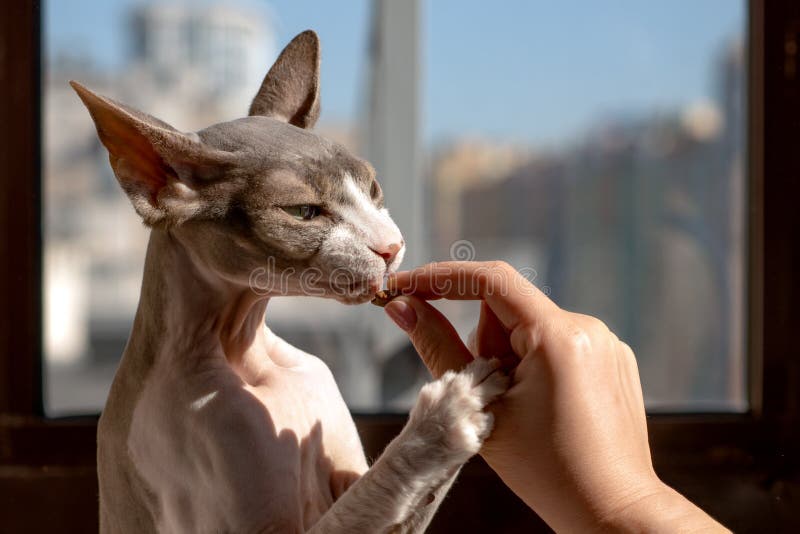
(215, 424)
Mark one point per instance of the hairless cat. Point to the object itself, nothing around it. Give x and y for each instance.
(213, 423)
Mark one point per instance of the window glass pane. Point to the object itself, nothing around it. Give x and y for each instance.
(598, 147)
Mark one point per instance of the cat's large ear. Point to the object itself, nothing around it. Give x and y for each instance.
(163, 171)
(290, 90)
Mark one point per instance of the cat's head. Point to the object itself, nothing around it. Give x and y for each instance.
(260, 201)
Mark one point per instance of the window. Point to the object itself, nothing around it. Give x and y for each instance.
(610, 170)
(740, 467)
(600, 147)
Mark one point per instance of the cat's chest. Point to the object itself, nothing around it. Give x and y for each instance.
(288, 440)
(308, 404)
(308, 407)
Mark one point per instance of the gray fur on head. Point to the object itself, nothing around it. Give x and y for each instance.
(229, 191)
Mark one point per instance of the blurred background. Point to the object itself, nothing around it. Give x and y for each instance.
(599, 147)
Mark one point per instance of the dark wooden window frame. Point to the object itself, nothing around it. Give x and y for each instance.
(742, 468)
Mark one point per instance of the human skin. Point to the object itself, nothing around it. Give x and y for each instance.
(570, 435)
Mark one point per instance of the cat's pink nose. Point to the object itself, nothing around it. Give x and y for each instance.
(388, 252)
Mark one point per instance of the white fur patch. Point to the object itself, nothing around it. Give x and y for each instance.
(340, 236)
(376, 224)
(363, 204)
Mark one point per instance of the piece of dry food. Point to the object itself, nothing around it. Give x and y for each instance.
(384, 296)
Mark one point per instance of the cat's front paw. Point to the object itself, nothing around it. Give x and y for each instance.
(449, 414)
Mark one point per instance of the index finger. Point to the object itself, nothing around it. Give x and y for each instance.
(511, 297)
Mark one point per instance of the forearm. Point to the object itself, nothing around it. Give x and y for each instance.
(636, 506)
(423, 513)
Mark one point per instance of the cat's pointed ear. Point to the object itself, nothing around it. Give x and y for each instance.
(290, 90)
(162, 170)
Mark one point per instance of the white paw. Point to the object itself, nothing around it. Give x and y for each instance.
(449, 414)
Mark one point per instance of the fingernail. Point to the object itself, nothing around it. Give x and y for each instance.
(402, 314)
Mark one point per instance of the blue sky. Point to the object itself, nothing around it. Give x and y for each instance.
(534, 71)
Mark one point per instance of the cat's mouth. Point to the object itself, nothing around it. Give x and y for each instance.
(358, 291)
(351, 286)
(370, 286)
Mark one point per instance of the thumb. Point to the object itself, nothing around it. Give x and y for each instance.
(435, 339)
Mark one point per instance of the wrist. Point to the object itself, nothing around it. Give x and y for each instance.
(659, 508)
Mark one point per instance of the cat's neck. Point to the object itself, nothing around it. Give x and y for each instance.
(188, 313)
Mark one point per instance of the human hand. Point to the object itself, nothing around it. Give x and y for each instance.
(570, 435)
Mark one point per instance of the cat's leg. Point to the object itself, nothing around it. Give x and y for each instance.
(446, 428)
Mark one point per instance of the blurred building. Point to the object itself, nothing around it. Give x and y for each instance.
(640, 223)
(472, 167)
(212, 56)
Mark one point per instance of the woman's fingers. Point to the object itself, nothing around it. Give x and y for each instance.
(491, 337)
(435, 339)
(513, 300)
(510, 296)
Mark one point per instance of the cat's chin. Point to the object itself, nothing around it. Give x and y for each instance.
(354, 300)
(359, 293)
(350, 298)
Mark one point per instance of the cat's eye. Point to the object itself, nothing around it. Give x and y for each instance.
(304, 212)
